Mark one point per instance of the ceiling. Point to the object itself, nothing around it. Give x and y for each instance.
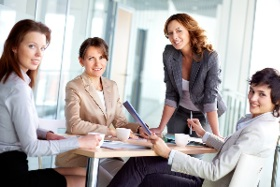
(202, 7)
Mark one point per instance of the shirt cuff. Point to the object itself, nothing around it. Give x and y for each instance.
(171, 156)
(205, 137)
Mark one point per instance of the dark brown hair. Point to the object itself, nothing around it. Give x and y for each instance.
(95, 42)
(8, 61)
(271, 78)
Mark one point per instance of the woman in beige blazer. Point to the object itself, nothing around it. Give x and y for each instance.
(257, 135)
(93, 104)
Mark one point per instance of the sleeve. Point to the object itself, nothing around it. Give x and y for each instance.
(119, 118)
(226, 160)
(212, 83)
(171, 95)
(24, 116)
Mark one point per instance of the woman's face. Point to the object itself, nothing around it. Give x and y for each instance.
(94, 63)
(31, 50)
(178, 35)
(260, 99)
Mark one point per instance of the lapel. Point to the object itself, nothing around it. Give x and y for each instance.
(92, 92)
(176, 67)
(108, 95)
(194, 71)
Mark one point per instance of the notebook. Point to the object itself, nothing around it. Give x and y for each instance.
(136, 117)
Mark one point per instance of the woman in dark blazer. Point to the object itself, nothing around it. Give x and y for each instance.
(192, 77)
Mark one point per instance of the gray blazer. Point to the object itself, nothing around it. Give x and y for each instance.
(204, 80)
(258, 138)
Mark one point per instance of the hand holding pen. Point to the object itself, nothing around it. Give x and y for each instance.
(195, 125)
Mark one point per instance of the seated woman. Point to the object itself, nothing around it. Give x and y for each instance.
(257, 135)
(20, 135)
(93, 104)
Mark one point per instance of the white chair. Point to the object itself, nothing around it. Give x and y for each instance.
(55, 125)
(248, 171)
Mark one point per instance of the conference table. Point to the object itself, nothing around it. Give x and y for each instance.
(131, 148)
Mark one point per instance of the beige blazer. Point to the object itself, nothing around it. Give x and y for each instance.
(258, 138)
(85, 113)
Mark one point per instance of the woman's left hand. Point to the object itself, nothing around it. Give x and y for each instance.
(159, 146)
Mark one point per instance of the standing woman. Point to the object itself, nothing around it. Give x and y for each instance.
(192, 77)
(20, 135)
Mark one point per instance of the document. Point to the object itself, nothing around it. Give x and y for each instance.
(122, 145)
(137, 118)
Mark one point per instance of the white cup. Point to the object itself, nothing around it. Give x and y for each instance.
(102, 138)
(181, 139)
(123, 133)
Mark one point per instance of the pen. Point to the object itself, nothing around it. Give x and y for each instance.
(191, 126)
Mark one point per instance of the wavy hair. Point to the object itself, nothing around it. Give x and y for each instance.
(198, 38)
(8, 61)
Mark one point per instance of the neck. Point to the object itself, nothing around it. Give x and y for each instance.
(96, 82)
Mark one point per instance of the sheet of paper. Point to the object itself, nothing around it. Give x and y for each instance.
(122, 145)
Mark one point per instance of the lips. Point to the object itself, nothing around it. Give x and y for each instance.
(97, 69)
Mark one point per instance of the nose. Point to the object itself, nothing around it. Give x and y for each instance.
(253, 97)
(38, 52)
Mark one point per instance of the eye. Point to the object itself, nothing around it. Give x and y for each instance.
(31, 46)
(90, 58)
(179, 31)
(101, 57)
(43, 48)
(262, 94)
(169, 34)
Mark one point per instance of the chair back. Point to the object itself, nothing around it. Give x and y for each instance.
(248, 171)
(55, 125)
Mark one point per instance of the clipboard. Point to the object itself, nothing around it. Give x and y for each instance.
(137, 118)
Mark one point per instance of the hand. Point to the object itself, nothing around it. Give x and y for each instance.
(52, 136)
(159, 146)
(133, 136)
(143, 133)
(111, 132)
(89, 141)
(196, 126)
(157, 131)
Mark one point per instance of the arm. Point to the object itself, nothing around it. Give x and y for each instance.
(211, 91)
(166, 115)
(213, 121)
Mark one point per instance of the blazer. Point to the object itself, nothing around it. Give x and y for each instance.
(84, 113)
(204, 80)
(258, 137)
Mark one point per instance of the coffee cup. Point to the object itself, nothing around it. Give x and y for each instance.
(181, 139)
(123, 133)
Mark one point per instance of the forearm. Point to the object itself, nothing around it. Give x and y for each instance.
(212, 118)
(166, 115)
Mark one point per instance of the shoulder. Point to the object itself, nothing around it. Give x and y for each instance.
(75, 83)
(169, 50)
(108, 83)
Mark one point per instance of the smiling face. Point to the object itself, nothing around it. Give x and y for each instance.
(178, 35)
(31, 50)
(94, 62)
(260, 100)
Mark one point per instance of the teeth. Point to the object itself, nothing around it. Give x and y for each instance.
(97, 69)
